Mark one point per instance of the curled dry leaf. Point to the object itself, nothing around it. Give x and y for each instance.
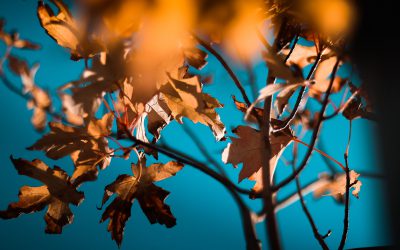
(140, 186)
(359, 106)
(74, 113)
(337, 186)
(56, 193)
(87, 146)
(247, 149)
(286, 91)
(278, 69)
(65, 31)
(40, 100)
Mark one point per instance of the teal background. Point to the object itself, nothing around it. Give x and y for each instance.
(207, 216)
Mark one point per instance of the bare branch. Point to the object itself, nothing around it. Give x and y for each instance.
(314, 135)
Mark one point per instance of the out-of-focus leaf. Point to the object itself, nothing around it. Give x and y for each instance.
(337, 186)
(65, 31)
(13, 40)
(40, 100)
(360, 106)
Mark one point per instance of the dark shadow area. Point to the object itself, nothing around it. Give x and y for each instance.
(376, 55)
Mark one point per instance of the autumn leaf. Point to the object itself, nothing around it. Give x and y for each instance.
(247, 148)
(302, 56)
(336, 187)
(74, 112)
(64, 30)
(184, 97)
(139, 186)
(39, 99)
(13, 40)
(360, 105)
(87, 146)
(286, 90)
(56, 194)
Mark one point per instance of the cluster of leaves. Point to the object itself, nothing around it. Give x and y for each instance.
(140, 58)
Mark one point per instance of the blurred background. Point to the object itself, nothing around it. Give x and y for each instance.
(207, 216)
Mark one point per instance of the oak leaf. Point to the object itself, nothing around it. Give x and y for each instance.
(56, 193)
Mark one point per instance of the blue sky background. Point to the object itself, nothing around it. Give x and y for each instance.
(207, 217)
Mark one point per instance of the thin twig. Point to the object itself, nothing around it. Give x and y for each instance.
(317, 235)
(347, 195)
(314, 135)
(328, 163)
(251, 239)
(199, 144)
(228, 69)
(299, 99)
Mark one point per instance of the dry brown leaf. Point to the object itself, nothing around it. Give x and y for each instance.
(40, 100)
(13, 40)
(302, 56)
(87, 146)
(140, 186)
(247, 149)
(184, 98)
(360, 106)
(277, 68)
(337, 186)
(57, 193)
(64, 30)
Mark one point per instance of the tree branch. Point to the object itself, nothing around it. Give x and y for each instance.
(317, 235)
(291, 116)
(235, 79)
(347, 195)
(251, 238)
(314, 135)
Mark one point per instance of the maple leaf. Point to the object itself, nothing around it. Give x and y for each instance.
(336, 187)
(40, 100)
(184, 98)
(57, 193)
(139, 186)
(64, 30)
(86, 145)
(247, 149)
